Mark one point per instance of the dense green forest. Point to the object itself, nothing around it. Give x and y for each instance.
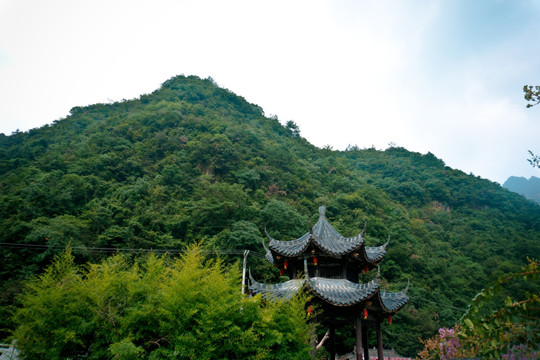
(193, 162)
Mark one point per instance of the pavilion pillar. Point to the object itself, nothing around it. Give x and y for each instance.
(365, 341)
(358, 338)
(332, 342)
(379, 340)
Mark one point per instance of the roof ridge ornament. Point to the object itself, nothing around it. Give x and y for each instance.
(268, 254)
(322, 211)
(262, 240)
(364, 230)
(404, 291)
(267, 235)
(387, 242)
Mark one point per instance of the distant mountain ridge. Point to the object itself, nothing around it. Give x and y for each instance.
(528, 188)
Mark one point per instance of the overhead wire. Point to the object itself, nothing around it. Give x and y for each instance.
(130, 250)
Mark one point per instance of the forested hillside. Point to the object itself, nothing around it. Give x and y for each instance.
(194, 162)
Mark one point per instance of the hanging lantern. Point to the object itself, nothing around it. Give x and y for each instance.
(281, 272)
(285, 264)
(366, 269)
(364, 314)
(310, 310)
(389, 319)
(315, 260)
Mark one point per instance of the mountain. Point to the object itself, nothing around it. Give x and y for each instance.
(194, 162)
(528, 188)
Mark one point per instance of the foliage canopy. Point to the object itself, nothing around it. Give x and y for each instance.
(154, 307)
(494, 326)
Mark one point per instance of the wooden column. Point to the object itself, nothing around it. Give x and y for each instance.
(365, 341)
(358, 338)
(332, 342)
(379, 340)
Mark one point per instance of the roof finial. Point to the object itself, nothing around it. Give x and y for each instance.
(322, 210)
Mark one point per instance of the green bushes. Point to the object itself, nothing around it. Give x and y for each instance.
(154, 308)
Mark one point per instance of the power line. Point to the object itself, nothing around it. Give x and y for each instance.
(130, 250)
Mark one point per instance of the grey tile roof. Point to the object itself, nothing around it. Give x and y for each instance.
(292, 247)
(284, 290)
(376, 253)
(323, 235)
(338, 292)
(342, 292)
(392, 302)
(326, 238)
(8, 352)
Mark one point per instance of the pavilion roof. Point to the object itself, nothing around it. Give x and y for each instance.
(337, 292)
(342, 292)
(325, 237)
(392, 302)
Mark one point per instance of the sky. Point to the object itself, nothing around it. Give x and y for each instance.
(439, 76)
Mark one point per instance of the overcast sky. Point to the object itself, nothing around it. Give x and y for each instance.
(438, 76)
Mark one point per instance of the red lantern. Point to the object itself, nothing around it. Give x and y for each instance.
(285, 264)
(315, 260)
(366, 269)
(310, 310)
(281, 272)
(364, 314)
(389, 319)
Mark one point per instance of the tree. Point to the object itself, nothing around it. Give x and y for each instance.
(154, 308)
(493, 327)
(293, 128)
(532, 95)
(534, 160)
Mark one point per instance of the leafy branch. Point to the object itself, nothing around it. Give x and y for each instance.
(513, 324)
(532, 94)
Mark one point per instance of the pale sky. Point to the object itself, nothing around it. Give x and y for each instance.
(444, 76)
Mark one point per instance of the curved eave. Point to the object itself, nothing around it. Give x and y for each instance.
(290, 248)
(268, 254)
(342, 292)
(393, 302)
(374, 254)
(338, 246)
(284, 290)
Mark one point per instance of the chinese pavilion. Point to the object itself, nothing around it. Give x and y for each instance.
(328, 265)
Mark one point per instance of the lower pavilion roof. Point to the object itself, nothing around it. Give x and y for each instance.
(392, 302)
(337, 292)
(342, 292)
